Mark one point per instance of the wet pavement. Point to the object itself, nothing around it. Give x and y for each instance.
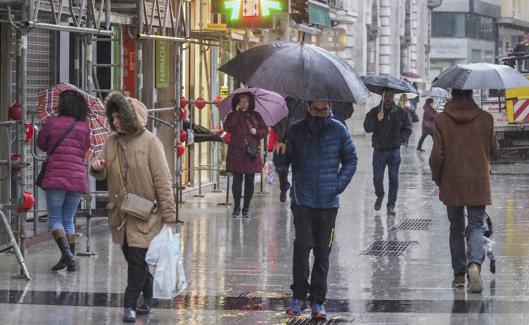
(239, 271)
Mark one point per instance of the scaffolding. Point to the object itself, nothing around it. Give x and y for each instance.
(90, 22)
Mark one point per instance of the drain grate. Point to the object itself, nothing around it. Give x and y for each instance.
(413, 224)
(389, 248)
(305, 321)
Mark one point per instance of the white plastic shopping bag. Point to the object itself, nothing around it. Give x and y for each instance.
(169, 278)
(156, 245)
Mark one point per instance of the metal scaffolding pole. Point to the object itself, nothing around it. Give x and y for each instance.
(19, 181)
(139, 52)
(178, 163)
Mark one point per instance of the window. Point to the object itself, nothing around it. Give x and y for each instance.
(475, 56)
(448, 24)
(458, 24)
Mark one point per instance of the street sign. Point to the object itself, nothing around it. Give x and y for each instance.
(129, 64)
(332, 39)
(162, 64)
(250, 14)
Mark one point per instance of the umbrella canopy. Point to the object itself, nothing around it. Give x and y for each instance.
(481, 76)
(49, 100)
(437, 93)
(411, 76)
(270, 105)
(299, 70)
(378, 84)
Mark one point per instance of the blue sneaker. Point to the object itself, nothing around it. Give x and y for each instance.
(318, 311)
(296, 307)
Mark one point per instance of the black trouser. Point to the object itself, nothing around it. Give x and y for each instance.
(284, 184)
(249, 180)
(139, 279)
(421, 140)
(279, 160)
(314, 230)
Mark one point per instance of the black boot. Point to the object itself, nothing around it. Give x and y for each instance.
(129, 315)
(67, 256)
(63, 262)
(236, 211)
(145, 309)
(73, 266)
(246, 213)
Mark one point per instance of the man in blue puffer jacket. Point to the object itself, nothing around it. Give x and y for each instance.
(323, 159)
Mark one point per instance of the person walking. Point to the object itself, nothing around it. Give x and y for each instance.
(428, 120)
(133, 162)
(391, 128)
(323, 159)
(243, 160)
(464, 142)
(66, 139)
(284, 184)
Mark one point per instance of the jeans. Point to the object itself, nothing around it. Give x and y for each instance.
(61, 209)
(381, 159)
(421, 140)
(139, 278)
(249, 183)
(462, 257)
(314, 231)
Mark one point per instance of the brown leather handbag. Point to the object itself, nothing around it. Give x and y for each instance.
(134, 204)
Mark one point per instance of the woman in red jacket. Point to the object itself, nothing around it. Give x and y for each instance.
(65, 175)
(243, 160)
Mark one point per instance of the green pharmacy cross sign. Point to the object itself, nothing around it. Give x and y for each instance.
(251, 13)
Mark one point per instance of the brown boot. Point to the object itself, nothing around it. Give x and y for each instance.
(459, 281)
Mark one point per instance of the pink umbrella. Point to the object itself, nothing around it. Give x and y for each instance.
(270, 105)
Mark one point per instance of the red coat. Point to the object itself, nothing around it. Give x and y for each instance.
(273, 140)
(238, 125)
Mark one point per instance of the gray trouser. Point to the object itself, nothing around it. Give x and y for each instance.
(460, 258)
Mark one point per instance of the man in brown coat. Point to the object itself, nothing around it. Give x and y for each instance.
(464, 142)
(138, 155)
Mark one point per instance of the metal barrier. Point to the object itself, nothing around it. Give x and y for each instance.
(13, 245)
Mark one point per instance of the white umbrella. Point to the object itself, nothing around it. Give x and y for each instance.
(481, 76)
(437, 92)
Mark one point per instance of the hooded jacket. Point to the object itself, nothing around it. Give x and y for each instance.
(323, 162)
(464, 142)
(392, 131)
(144, 169)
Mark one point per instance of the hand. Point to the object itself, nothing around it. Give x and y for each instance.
(238, 107)
(253, 131)
(280, 148)
(380, 116)
(98, 165)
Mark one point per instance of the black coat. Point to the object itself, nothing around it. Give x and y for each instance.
(392, 131)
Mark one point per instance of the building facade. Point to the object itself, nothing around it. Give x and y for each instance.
(464, 31)
(513, 26)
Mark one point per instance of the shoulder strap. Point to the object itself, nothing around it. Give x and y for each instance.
(61, 139)
(119, 164)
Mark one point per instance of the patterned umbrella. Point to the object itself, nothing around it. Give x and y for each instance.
(49, 100)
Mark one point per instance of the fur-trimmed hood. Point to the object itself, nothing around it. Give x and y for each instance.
(132, 112)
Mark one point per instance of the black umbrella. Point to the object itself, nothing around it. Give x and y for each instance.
(299, 70)
(378, 84)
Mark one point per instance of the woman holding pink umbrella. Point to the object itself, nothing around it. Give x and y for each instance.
(247, 128)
